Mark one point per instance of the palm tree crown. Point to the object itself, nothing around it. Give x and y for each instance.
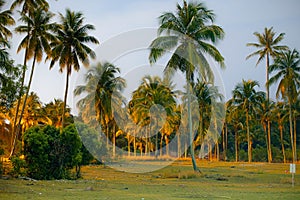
(70, 48)
(267, 46)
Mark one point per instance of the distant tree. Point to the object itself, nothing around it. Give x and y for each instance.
(268, 46)
(287, 71)
(247, 99)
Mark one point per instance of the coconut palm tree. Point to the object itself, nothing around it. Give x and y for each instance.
(287, 71)
(153, 92)
(246, 98)
(281, 115)
(54, 112)
(28, 8)
(29, 5)
(40, 29)
(96, 107)
(268, 46)
(266, 117)
(6, 20)
(191, 32)
(70, 47)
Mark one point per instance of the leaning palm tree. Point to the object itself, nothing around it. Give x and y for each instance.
(268, 46)
(191, 32)
(70, 47)
(40, 29)
(246, 98)
(287, 71)
(28, 9)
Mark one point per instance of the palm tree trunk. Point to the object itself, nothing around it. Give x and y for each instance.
(291, 131)
(114, 141)
(295, 137)
(18, 104)
(23, 106)
(65, 99)
(248, 137)
(161, 144)
(178, 145)
(236, 147)
(282, 144)
(128, 145)
(269, 142)
(267, 75)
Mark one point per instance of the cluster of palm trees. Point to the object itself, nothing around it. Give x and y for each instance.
(63, 42)
(141, 126)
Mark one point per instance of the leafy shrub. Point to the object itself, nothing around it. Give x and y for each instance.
(50, 154)
(19, 167)
(259, 154)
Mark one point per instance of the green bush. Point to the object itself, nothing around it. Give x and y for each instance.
(18, 167)
(50, 154)
(259, 154)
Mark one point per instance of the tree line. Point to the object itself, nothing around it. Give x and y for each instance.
(254, 127)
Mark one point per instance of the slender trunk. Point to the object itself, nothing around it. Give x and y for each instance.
(23, 106)
(167, 146)
(161, 144)
(134, 144)
(223, 143)
(248, 137)
(295, 137)
(236, 147)
(156, 142)
(191, 135)
(269, 142)
(267, 76)
(128, 144)
(65, 99)
(18, 104)
(282, 144)
(114, 141)
(178, 145)
(218, 151)
(291, 131)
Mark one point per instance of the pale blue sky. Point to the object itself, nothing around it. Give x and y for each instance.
(238, 18)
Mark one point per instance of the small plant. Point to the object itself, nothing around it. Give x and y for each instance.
(19, 167)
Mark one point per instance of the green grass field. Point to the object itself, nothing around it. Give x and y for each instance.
(218, 180)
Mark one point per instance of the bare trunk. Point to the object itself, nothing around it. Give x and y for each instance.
(267, 76)
(236, 147)
(65, 99)
(23, 107)
(282, 144)
(248, 137)
(269, 143)
(295, 138)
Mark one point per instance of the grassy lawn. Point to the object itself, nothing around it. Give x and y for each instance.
(218, 180)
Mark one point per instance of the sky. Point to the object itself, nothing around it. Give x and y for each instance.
(126, 27)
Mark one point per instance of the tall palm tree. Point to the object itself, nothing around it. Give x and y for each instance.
(40, 29)
(287, 71)
(246, 98)
(28, 8)
(191, 32)
(70, 47)
(268, 46)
